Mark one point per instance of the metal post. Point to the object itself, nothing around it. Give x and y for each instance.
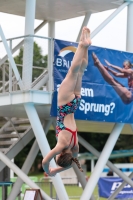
(129, 45)
(109, 164)
(44, 147)
(103, 24)
(51, 189)
(28, 43)
(22, 175)
(85, 22)
(101, 162)
(80, 176)
(11, 59)
(3, 77)
(26, 166)
(92, 164)
(51, 33)
(10, 71)
(3, 192)
(119, 188)
(21, 43)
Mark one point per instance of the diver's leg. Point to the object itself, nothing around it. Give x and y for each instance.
(67, 87)
(122, 91)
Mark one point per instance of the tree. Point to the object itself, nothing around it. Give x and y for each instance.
(39, 60)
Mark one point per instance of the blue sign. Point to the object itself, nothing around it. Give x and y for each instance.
(108, 185)
(107, 87)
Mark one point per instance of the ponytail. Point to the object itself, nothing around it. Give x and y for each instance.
(77, 163)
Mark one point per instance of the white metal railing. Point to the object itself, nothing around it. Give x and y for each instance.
(8, 81)
(8, 84)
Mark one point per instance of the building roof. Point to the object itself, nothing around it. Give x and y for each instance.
(56, 10)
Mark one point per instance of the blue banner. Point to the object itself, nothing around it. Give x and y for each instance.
(108, 185)
(105, 91)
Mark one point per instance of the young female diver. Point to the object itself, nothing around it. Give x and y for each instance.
(67, 148)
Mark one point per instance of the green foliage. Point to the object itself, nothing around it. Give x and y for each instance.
(36, 167)
(20, 158)
(97, 140)
(19, 58)
(39, 60)
(51, 138)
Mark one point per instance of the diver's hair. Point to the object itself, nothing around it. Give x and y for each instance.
(127, 61)
(77, 163)
(65, 160)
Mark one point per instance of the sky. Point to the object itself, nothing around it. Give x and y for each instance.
(113, 36)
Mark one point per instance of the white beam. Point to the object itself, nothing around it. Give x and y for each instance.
(129, 40)
(103, 24)
(44, 147)
(119, 188)
(28, 44)
(22, 175)
(22, 42)
(101, 162)
(51, 33)
(85, 22)
(90, 148)
(11, 59)
(27, 166)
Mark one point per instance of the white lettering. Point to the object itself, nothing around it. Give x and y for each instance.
(115, 185)
(65, 63)
(94, 107)
(107, 110)
(59, 62)
(87, 92)
(82, 102)
(58, 87)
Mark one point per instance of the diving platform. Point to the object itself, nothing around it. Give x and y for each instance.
(12, 104)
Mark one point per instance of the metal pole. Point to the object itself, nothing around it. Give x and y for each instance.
(103, 24)
(85, 22)
(129, 40)
(22, 175)
(109, 164)
(3, 77)
(28, 43)
(101, 162)
(21, 43)
(129, 47)
(27, 165)
(120, 188)
(44, 147)
(51, 33)
(10, 71)
(80, 176)
(92, 164)
(11, 59)
(51, 189)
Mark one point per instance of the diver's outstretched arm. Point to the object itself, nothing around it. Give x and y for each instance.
(123, 71)
(113, 66)
(117, 74)
(46, 160)
(54, 171)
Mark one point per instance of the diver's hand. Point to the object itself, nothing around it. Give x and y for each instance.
(52, 172)
(109, 64)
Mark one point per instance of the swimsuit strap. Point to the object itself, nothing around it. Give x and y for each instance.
(73, 136)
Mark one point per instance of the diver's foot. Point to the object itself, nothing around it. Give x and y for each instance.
(85, 40)
(96, 60)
